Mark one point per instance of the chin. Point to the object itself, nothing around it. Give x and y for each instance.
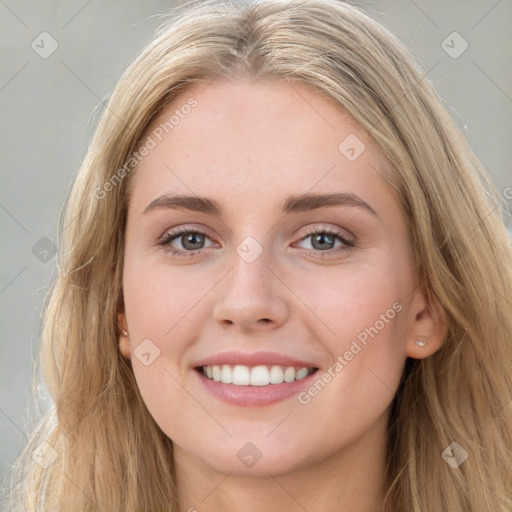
(270, 463)
(249, 455)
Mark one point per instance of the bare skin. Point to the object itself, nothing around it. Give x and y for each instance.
(249, 146)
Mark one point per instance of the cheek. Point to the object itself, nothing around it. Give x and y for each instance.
(165, 305)
(353, 301)
(365, 313)
(159, 299)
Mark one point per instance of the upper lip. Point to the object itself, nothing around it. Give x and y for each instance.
(253, 359)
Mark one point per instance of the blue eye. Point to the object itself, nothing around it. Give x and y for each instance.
(324, 240)
(193, 242)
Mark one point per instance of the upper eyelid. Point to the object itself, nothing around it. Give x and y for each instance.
(310, 231)
(183, 230)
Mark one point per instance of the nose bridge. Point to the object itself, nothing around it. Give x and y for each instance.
(251, 265)
(250, 294)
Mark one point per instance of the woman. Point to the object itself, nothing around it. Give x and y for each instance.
(202, 352)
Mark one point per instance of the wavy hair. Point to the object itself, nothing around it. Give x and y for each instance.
(110, 453)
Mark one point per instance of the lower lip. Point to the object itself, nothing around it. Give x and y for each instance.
(254, 396)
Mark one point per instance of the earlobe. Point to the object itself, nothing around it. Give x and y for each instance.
(428, 326)
(124, 347)
(124, 337)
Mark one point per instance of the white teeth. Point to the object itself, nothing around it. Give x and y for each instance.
(262, 375)
(226, 374)
(301, 374)
(276, 375)
(289, 374)
(241, 375)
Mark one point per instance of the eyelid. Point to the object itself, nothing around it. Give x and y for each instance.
(347, 242)
(335, 231)
(175, 233)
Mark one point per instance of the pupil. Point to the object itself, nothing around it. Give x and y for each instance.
(192, 239)
(320, 240)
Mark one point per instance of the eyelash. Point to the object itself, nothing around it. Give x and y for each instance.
(170, 236)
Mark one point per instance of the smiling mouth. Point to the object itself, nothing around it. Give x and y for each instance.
(261, 375)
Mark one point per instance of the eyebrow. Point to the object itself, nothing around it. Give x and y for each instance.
(293, 204)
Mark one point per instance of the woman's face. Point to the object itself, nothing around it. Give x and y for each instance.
(294, 278)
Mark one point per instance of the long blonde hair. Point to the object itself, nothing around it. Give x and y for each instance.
(110, 454)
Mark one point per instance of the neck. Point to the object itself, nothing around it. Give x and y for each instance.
(352, 479)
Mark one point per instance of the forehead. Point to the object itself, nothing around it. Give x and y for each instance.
(256, 139)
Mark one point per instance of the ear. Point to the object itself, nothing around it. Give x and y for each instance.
(124, 339)
(427, 324)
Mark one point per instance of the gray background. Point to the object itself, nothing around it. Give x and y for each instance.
(49, 107)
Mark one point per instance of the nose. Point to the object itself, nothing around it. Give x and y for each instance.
(251, 297)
